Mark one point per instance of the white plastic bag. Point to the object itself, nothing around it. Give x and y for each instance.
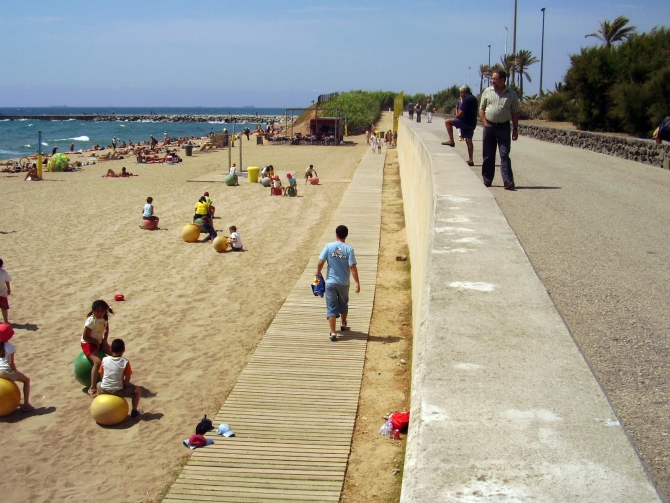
(386, 431)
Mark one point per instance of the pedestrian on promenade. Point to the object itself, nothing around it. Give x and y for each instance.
(418, 108)
(410, 108)
(663, 131)
(341, 264)
(499, 104)
(465, 120)
(430, 108)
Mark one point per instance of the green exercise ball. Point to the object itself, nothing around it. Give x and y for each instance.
(231, 179)
(82, 368)
(198, 222)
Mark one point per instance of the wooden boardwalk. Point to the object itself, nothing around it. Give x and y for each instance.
(294, 406)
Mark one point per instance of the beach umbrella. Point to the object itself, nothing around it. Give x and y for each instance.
(58, 162)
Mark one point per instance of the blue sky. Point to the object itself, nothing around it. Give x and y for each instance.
(281, 53)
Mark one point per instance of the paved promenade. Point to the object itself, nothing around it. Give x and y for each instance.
(504, 406)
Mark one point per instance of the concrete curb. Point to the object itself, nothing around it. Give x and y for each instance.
(504, 407)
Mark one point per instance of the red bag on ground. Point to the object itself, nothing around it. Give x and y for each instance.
(400, 421)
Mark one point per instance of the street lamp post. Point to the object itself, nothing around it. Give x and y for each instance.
(514, 37)
(542, 51)
(489, 64)
(506, 32)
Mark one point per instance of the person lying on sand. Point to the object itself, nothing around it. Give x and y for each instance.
(112, 174)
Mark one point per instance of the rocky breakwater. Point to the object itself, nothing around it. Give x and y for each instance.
(634, 149)
(190, 118)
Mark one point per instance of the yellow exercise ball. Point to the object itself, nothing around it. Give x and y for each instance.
(10, 397)
(109, 410)
(220, 244)
(190, 233)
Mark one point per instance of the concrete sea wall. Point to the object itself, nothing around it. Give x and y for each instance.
(503, 405)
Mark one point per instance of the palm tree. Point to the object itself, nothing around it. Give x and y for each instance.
(508, 64)
(524, 58)
(616, 31)
(484, 72)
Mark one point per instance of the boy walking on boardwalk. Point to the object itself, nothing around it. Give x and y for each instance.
(115, 374)
(341, 264)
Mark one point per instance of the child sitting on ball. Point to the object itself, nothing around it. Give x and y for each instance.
(94, 338)
(115, 375)
(8, 367)
(148, 211)
(277, 189)
(292, 189)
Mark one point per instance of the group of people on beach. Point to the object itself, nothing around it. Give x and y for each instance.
(110, 374)
(269, 179)
(203, 216)
(8, 368)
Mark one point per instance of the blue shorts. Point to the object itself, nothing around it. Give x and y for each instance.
(466, 131)
(337, 299)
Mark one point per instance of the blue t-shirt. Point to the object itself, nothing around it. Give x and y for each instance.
(470, 110)
(339, 257)
(147, 210)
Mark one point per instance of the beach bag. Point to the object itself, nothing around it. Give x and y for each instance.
(400, 421)
(318, 286)
(204, 426)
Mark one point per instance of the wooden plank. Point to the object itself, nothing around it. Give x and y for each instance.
(294, 406)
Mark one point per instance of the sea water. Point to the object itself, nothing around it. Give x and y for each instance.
(19, 138)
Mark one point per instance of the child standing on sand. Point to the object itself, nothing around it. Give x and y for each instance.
(115, 375)
(96, 332)
(8, 367)
(5, 291)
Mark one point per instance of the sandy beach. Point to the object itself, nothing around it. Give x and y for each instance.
(191, 319)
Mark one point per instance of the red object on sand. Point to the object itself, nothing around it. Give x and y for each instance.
(400, 421)
(314, 180)
(119, 297)
(149, 224)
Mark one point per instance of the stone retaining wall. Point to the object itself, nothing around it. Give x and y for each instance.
(634, 149)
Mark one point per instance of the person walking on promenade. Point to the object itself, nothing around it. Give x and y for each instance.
(499, 104)
(662, 132)
(430, 108)
(410, 109)
(341, 264)
(418, 108)
(465, 120)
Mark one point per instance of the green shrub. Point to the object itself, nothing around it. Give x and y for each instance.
(558, 107)
(445, 100)
(361, 108)
(621, 88)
